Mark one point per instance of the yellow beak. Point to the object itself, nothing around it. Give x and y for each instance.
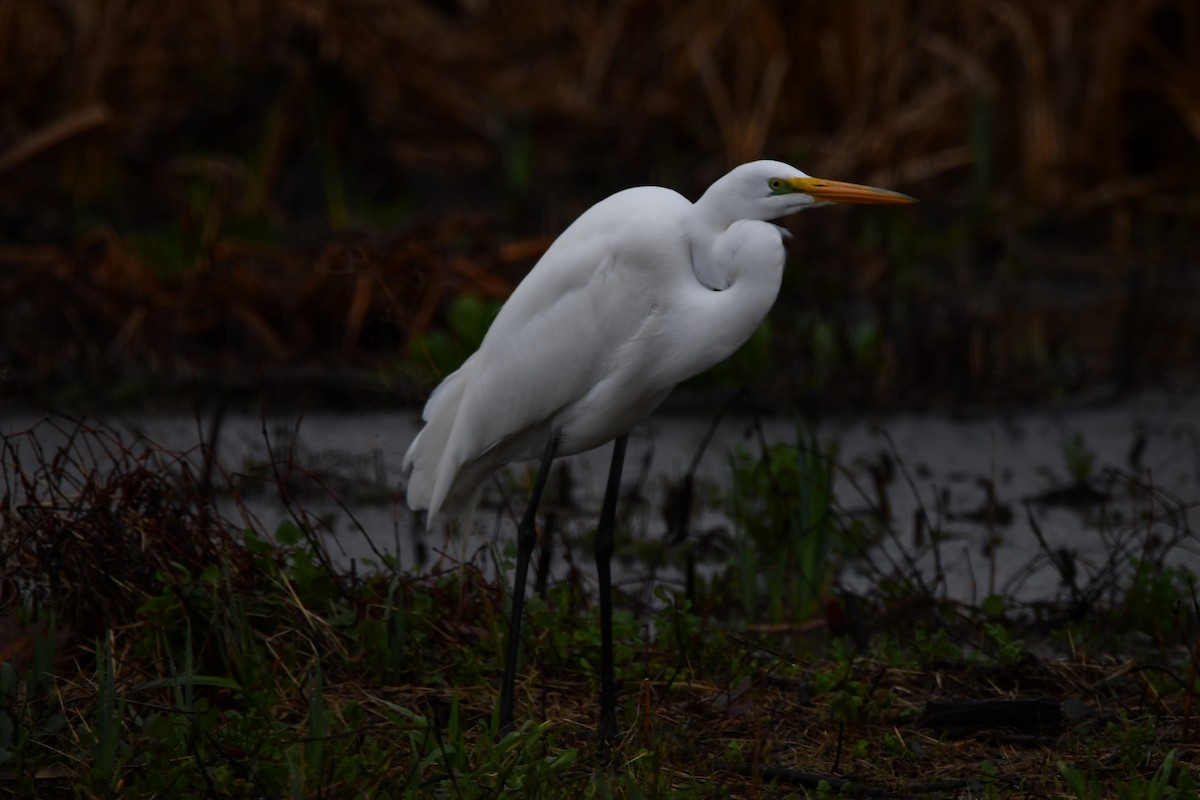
(829, 191)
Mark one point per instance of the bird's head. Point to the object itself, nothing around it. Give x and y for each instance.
(768, 190)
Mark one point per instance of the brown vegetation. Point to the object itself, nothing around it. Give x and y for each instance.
(120, 543)
(178, 183)
(116, 546)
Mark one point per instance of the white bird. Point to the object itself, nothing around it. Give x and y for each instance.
(644, 290)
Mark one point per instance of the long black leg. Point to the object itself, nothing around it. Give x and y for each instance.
(604, 551)
(526, 538)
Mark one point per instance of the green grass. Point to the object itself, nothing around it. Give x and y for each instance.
(248, 667)
(287, 689)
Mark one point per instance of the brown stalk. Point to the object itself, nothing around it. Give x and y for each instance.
(63, 129)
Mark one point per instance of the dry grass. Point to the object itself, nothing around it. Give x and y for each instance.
(175, 180)
(120, 540)
(865, 89)
(93, 522)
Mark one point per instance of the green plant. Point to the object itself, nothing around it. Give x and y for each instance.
(1157, 599)
(1006, 649)
(1078, 459)
(748, 363)
(480, 765)
(990, 784)
(105, 730)
(257, 669)
(438, 353)
(1169, 782)
(318, 725)
(30, 714)
(783, 506)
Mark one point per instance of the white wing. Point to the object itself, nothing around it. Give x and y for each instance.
(569, 351)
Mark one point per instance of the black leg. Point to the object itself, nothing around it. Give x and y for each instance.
(604, 551)
(526, 538)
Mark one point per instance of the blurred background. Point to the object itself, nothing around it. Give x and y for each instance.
(337, 194)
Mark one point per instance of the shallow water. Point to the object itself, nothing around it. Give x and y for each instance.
(942, 466)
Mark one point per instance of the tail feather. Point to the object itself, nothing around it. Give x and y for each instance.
(426, 453)
(447, 467)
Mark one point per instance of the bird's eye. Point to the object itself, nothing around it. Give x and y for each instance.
(775, 184)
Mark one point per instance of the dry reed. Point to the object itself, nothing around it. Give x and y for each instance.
(1076, 120)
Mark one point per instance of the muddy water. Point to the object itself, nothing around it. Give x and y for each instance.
(996, 485)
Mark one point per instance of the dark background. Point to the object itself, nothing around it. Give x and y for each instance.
(334, 196)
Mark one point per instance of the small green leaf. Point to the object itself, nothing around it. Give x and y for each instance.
(993, 606)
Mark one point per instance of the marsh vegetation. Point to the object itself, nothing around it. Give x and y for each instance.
(319, 205)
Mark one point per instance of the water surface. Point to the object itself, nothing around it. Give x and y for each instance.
(343, 474)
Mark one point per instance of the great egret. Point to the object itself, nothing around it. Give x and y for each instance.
(642, 291)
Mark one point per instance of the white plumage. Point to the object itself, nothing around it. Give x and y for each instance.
(641, 292)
